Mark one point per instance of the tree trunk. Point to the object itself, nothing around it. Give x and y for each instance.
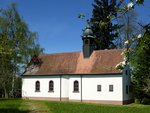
(140, 100)
(5, 93)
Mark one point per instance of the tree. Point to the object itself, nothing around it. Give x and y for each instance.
(141, 65)
(102, 21)
(128, 29)
(17, 46)
(103, 27)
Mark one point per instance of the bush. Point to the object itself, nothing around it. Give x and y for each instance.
(146, 101)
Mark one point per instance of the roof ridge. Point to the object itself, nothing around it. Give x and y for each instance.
(109, 50)
(60, 53)
(104, 50)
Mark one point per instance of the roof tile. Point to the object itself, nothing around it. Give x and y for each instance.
(100, 62)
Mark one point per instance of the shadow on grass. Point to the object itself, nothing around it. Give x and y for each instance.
(1, 99)
(11, 110)
(7, 99)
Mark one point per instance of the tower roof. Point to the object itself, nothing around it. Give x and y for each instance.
(88, 31)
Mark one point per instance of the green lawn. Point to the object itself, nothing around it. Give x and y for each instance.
(12, 106)
(32, 106)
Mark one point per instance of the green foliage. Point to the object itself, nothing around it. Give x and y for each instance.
(17, 46)
(139, 2)
(102, 24)
(141, 63)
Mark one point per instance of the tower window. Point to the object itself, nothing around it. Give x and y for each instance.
(86, 41)
(126, 72)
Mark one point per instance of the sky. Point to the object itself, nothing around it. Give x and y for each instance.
(57, 23)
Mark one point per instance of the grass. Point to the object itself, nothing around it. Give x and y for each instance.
(11, 106)
(32, 106)
(65, 107)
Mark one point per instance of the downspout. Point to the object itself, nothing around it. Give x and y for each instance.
(60, 86)
(81, 88)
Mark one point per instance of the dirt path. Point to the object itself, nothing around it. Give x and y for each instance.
(36, 107)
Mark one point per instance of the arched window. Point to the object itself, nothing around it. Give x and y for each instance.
(76, 86)
(51, 86)
(37, 86)
(86, 42)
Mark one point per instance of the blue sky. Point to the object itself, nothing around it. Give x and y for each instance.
(57, 22)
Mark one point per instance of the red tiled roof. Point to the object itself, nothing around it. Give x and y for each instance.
(100, 62)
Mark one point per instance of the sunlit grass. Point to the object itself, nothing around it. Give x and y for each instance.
(69, 107)
(11, 106)
(29, 106)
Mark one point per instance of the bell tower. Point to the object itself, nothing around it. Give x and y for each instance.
(88, 41)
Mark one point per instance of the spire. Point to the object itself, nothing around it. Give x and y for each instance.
(88, 41)
(88, 31)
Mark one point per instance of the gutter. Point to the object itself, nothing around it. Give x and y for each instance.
(70, 74)
(60, 86)
(81, 88)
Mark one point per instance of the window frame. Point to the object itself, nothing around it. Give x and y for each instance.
(99, 88)
(86, 42)
(75, 86)
(51, 86)
(111, 88)
(37, 86)
(126, 72)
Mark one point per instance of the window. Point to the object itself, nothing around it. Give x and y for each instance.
(111, 88)
(76, 86)
(37, 86)
(127, 88)
(86, 41)
(98, 87)
(126, 72)
(51, 86)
